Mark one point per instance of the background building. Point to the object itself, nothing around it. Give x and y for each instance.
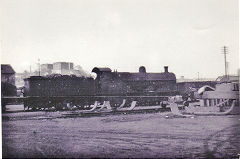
(64, 68)
(8, 87)
(46, 69)
(229, 78)
(7, 74)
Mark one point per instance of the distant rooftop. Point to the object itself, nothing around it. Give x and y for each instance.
(195, 80)
(229, 78)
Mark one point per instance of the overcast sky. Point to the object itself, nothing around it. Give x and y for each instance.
(186, 35)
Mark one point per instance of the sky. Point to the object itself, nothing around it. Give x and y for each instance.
(186, 35)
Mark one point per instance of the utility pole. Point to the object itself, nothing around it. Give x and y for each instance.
(225, 60)
(228, 69)
(39, 67)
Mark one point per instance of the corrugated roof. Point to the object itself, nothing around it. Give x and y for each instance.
(7, 69)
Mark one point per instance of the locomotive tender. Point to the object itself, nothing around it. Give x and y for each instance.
(62, 90)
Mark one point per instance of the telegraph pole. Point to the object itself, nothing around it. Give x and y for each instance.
(39, 67)
(225, 60)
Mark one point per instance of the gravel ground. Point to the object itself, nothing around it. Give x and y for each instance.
(49, 134)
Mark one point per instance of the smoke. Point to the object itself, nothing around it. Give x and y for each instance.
(79, 71)
(93, 75)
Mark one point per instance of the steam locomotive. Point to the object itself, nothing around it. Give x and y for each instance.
(58, 91)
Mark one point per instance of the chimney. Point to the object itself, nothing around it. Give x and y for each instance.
(166, 69)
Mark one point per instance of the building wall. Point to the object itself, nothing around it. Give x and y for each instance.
(47, 66)
(46, 69)
(8, 87)
(223, 91)
(63, 68)
(63, 65)
(8, 78)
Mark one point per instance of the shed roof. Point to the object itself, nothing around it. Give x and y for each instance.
(7, 69)
(205, 88)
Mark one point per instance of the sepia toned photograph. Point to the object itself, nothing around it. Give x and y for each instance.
(120, 79)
